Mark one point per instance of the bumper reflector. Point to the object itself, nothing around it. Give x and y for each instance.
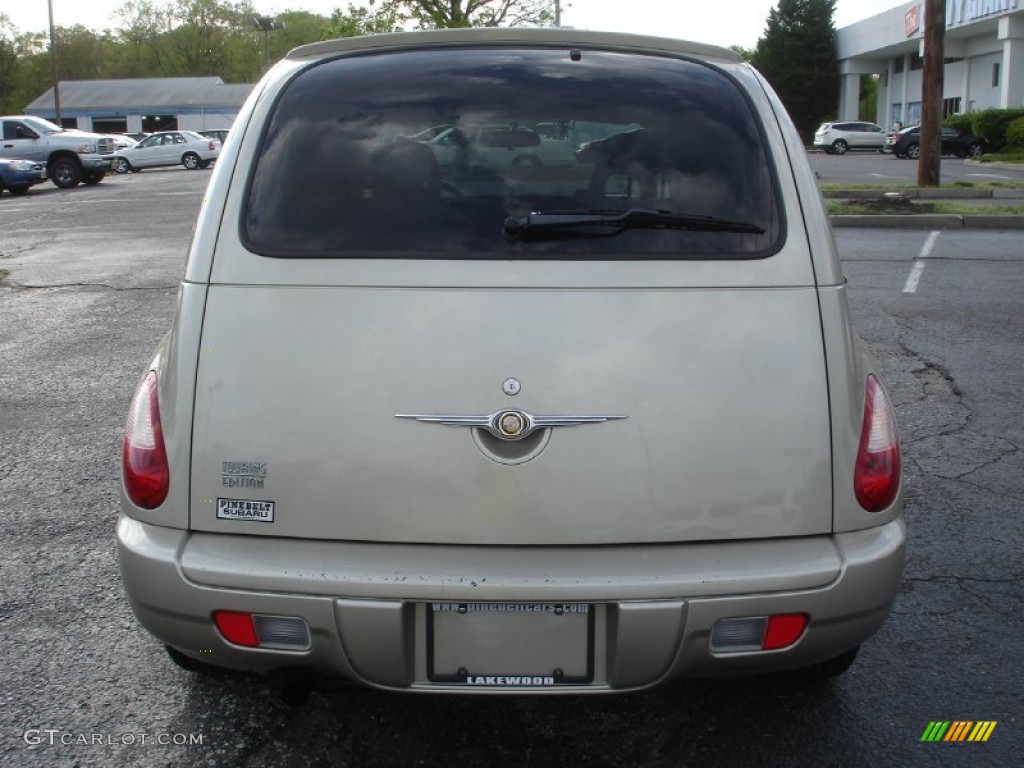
(288, 633)
(735, 635)
(284, 632)
(757, 633)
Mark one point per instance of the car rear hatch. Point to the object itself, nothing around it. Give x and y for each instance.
(349, 384)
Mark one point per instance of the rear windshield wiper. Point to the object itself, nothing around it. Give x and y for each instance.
(609, 223)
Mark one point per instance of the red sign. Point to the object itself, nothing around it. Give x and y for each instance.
(912, 21)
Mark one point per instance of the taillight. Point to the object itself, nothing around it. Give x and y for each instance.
(212, 146)
(144, 460)
(876, 476)
(285, 633)
(757, 633)
(783, 630)
(237, 628)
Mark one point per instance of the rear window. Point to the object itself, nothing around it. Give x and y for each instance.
(512, 153)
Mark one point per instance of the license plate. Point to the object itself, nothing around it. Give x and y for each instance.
(510, 645)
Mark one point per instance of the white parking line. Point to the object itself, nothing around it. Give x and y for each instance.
(915, 274)
(991, 176)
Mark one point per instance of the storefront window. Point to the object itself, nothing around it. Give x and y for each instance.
(913, 112)
(896, 115)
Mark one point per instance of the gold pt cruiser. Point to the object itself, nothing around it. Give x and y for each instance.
(433, 418)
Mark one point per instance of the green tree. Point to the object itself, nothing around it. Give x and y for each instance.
(83, 54)
(24, 67)
(188, 38)
(867, 109)
(142, 23)
(437, 14)
(170, 38)
(747, 54)
(797, 55)
(210, 37)
(359, 20)
(9, 55)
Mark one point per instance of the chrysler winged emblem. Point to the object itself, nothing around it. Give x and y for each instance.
(508, 424)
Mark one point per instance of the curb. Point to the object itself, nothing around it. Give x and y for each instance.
(997, 164)
(928, 221)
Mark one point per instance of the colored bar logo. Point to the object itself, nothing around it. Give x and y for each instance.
(958, 730)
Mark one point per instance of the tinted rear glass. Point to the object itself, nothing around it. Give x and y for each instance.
(427, 154)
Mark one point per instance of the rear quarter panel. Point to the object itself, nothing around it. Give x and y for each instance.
(848, 360)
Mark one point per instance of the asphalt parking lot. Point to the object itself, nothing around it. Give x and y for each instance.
(868, 167)
(89, 280)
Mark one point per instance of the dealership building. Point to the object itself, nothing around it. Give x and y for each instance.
(984, 59)
(144, 104)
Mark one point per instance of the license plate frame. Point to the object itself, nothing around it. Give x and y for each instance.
(510, 644)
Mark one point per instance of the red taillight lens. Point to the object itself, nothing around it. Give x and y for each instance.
(783, 630)
(876, 476)
(212, 146)
(147, 475)
(237, 627)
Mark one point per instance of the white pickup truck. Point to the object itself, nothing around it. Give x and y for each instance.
(71, 156)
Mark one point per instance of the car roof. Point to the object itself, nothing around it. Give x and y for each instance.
(512, 36)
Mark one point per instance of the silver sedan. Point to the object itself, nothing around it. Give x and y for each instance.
(186, 148)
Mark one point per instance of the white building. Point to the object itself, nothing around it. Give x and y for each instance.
(984, 53)
(144, 104)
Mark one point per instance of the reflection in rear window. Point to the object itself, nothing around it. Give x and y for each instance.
(445, 154)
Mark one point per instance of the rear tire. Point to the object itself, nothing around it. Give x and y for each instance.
(975, 150)
(913, 151)
(839, 146)
(121, 165)
(826, 670)
(190, 160)
(189, 664)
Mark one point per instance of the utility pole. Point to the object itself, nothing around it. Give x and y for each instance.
(53, 65)
(558, 13)
(930, 160)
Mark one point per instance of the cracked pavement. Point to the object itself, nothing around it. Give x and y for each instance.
(90, 289)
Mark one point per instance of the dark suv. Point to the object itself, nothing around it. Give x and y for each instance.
(906, 143)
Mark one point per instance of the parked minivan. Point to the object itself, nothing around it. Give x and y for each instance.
(480, 428)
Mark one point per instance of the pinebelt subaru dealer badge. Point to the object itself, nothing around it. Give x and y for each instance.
(245, 509)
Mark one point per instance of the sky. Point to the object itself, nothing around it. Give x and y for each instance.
(728, 22)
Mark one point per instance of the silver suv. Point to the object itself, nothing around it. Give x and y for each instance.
(481, 426)
(840, 138)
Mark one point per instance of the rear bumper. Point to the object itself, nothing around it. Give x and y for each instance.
(366, 604)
